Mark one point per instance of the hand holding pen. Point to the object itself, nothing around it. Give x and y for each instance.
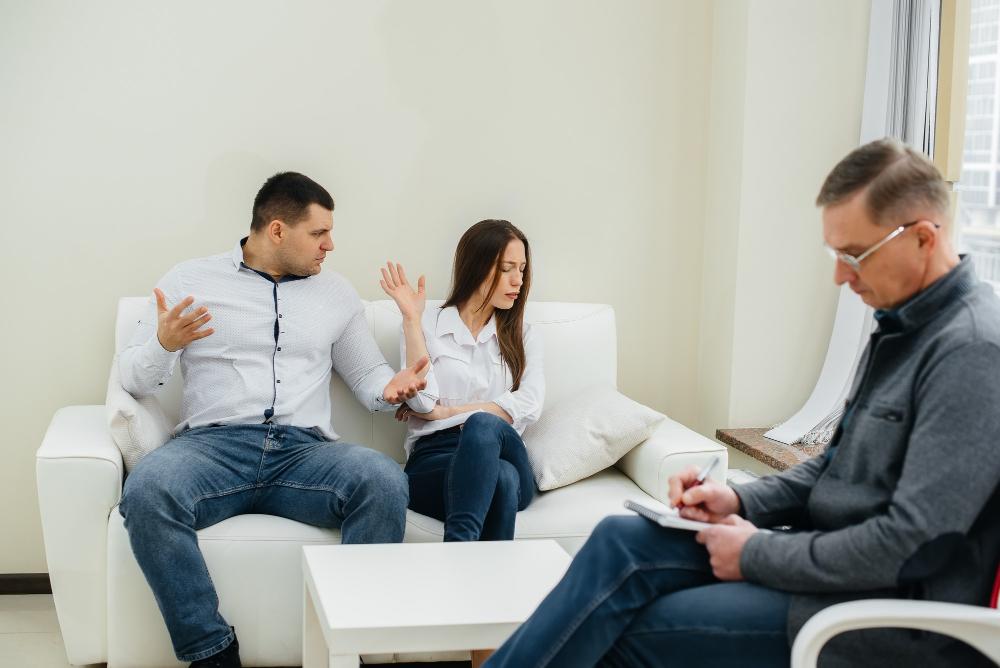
(698, 497)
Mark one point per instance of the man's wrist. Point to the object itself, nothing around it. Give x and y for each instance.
(160, 341)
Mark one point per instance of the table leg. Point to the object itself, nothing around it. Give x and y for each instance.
(314, 650)
(479, 656)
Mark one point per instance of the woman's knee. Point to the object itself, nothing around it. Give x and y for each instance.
(482, 422)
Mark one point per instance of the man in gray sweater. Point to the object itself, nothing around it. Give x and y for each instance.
(903, 504)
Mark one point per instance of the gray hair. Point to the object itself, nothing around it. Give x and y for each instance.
(897, 178)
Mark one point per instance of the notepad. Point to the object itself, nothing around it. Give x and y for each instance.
(665, 517)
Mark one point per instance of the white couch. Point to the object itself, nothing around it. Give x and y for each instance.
(105, 608)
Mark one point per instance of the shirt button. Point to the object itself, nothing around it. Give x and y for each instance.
(279, 349)
(279, 381)
(280, 316)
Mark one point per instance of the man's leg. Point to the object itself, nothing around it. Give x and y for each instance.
(195, 480)
(735, 624)
(627, 563)
(356, 489)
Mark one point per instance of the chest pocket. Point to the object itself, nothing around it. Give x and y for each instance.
(453, 370)
(879, 438)
(499, 373)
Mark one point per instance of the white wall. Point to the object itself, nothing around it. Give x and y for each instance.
(787, 90)
(134, 135)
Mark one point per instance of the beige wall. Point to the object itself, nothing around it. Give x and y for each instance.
(661, 156)
(787, 90)
(135, 135)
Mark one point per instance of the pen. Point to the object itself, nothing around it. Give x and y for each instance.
(702, 477)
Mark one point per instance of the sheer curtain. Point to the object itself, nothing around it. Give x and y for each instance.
(900, 101)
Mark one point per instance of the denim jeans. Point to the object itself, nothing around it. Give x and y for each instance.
(208, 474)
(640, 595)
(474, 479)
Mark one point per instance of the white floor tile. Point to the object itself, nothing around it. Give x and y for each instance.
(32, 650)
(28, 614)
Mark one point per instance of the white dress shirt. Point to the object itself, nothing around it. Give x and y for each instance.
(271, 354)
(466, 370)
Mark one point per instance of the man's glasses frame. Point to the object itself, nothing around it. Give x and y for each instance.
(854, 261)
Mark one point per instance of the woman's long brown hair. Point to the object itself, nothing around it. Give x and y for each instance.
(480, 251)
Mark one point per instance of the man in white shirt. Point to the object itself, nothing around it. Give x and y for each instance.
(255, 432)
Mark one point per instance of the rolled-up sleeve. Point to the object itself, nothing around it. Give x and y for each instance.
(427, 398)
(524, 405)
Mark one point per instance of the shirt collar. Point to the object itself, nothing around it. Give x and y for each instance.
(238, 253)
(930, 302)
(450, 322)
(237, 257)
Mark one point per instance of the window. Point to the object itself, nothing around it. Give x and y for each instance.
(978, 188)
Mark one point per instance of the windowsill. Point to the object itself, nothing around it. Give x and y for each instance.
(771, 453)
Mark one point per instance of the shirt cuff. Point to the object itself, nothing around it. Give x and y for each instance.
(506, 402)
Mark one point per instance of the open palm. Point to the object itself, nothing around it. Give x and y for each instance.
(410, 302)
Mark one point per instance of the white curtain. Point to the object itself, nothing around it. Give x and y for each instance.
(900, 101)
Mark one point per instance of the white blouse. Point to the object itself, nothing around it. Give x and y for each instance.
(465, 370)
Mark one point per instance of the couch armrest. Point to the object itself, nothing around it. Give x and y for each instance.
(672, 448)
(79, 472)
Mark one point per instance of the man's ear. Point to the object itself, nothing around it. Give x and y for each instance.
(275, 231)
(927, 234)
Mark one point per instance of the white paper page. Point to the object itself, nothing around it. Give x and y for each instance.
(665, 516)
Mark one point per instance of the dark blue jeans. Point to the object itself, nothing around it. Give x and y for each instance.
(208, 474)
(641, 595)
(474, 479)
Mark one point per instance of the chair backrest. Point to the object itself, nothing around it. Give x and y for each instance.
(580, 349)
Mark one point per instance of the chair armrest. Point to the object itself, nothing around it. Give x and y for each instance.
(977, 626)
(672, 448)
(79, 472)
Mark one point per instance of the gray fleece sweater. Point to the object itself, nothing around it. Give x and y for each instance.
(904, 503)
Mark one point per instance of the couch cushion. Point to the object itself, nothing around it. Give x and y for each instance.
(567, 514)
(586, 433)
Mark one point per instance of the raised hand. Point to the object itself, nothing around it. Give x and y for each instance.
(410, 302)
(705, 502)
(174, 329)
(405, 384)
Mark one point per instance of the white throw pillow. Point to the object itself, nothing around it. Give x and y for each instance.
(586, 433)
(138, 426)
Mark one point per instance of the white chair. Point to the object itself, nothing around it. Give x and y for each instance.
(977, 626)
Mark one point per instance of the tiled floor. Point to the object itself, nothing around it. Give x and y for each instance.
(29, 635)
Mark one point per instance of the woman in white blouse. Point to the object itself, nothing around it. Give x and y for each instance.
(466, 462)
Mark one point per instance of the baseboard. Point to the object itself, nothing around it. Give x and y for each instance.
(25, 583)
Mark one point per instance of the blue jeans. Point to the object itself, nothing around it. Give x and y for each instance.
(474, 479)
(208, 474)
(641, 595)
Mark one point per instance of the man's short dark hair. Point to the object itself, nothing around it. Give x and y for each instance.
(898, 179)
(286, 197)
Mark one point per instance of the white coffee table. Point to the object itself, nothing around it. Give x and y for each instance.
(420, 597)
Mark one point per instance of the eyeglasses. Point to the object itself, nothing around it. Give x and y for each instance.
(854, 261)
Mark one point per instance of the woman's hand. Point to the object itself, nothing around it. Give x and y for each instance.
(439, 412)
(410, 302)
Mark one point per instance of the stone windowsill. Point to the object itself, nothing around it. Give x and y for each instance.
(776, 455)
